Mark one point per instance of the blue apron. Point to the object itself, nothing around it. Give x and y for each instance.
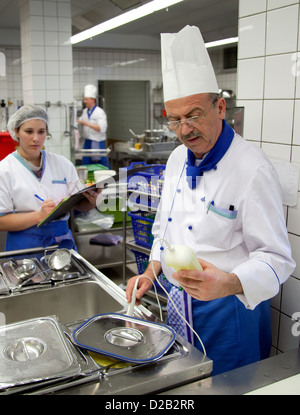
(43, 236)
(232, 335)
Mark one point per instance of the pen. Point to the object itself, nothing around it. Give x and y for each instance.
(40, 198)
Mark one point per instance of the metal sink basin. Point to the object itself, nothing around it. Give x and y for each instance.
(74, 302)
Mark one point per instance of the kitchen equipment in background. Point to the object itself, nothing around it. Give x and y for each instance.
(59, 259)
(40, 271)
(238, 120)
(230, 99)
(82, 173)
(103, 174)
(155, 140)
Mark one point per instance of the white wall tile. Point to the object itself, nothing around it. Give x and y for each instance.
(251, 70)
(64, 24)
(277, 151)
(52, 82)
(36, 7)
(37, 53)
(296, 157)
(291, 296)
(247, 7)
(275, 316)
(274, 4)
(296, 132)
(39, 82)
(278, 121)
(295, 244)
(52, 95)
(279, 78)
(293, 223)
(63, 9)
(252, 36)
(252, 119)
(50, 24)
(282, 25)
(37, 38)
(50, 8)
(296, 72)
(52, 68)
(36, 23)
(286, 339)
(51, 38)
(39, 97)
(51, 53)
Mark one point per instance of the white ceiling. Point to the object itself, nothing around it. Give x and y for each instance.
(217, 19)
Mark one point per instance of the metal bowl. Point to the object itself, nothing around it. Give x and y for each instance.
(25, 270)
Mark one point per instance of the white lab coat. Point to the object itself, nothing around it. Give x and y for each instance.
(98, 116)
(243, 231)
(18, 184)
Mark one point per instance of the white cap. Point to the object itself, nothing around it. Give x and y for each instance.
(90, 91)
(186, 66)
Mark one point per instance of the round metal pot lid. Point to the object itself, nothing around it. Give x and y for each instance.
(125, 338)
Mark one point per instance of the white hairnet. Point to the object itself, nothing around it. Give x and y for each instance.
(25, 113)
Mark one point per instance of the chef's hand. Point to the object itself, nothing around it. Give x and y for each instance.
(93, 196)
(46, 207)
(144, 285)
(209, 284)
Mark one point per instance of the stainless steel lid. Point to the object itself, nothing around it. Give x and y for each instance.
(34, 350)
(125, 338)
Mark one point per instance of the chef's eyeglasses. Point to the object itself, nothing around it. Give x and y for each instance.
(191, 122)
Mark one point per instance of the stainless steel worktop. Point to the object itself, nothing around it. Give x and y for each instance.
(247, 378)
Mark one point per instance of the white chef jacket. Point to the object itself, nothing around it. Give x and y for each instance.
(18, 184)
(233, 218)
(98, 116)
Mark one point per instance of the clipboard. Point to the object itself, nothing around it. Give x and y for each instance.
(69, 202)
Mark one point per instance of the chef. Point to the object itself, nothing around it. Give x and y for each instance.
(94, 122)
(33, 182)
(222, 198)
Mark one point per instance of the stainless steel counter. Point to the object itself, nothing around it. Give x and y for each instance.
(245, 379)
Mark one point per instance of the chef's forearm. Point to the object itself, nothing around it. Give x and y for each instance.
(149, 271)
(95, 127)
(13, 222)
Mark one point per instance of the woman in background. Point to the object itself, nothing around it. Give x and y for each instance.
(33, 182)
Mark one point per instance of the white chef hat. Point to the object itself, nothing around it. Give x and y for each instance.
(90, 91)
(186, 66)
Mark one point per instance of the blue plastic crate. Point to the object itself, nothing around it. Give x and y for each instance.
(147, 181)
(142, 223)
(142, 261)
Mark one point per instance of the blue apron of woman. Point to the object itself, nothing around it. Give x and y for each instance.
(232, 335)
(53, 233)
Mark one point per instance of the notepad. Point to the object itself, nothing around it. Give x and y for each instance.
(66, 205)
(71, 201)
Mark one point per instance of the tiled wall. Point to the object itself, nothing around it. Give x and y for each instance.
(269, 89)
